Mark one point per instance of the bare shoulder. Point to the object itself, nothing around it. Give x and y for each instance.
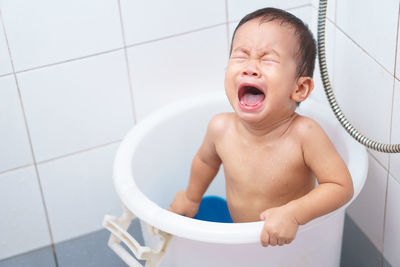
(220, 123)
(309, 133)
(307, 129)
(217, 127)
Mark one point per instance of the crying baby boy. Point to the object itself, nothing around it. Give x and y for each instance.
(270, 154)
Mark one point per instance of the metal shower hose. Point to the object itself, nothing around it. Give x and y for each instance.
(387, 148)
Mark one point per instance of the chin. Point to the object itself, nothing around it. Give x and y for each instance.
(251, 116)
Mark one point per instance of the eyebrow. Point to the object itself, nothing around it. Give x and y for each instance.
(269, 51)
(242, 49)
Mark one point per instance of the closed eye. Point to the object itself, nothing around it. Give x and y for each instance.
(269, 60)
(239, 58)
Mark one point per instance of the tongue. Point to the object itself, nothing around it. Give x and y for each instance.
(250, 99)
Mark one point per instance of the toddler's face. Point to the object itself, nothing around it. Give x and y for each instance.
(261, 73)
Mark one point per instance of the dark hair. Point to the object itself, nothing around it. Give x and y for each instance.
(307, 50)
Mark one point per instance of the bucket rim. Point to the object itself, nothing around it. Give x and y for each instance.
(227, 233)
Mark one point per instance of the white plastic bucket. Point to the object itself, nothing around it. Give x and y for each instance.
(153, 163)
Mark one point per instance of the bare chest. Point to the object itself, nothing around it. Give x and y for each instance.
(274, 170)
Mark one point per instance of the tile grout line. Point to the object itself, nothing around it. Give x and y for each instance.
(362, 49)
(176, 35)
(369, 151)
(78, 152)
(391, 74)
(126, 46)
(128, 69)
(390, 132)
(6, 74)
(15, 169)
(75, 153)
(69, 60)
(227, 26)
(366, 236)
(394, 82)
(137, 44)
(114, 50)
(384, 216)
(359, 46)
(30, 144)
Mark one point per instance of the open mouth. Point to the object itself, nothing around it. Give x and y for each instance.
(250, 97)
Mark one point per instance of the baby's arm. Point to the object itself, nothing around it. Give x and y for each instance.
(334, 189)
(205, 166)
(335, 186)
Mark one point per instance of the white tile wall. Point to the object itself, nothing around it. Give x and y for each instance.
(45, 31)
(359, 79)
(392, 233)
(170, 69)
(86, 103)
(79, 191)
(367, 210)
(237, 9)
(330, 35)
(395, 158)
(15, 149)
(364, 20)
(77, 105)
(148, 20)
(232, 27)
(23, 224)
(305, 13)
(5, 66)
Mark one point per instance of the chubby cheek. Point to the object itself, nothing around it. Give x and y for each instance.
(229, 84)
(284, 82)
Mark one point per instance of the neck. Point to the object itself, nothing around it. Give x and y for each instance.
(262, 131)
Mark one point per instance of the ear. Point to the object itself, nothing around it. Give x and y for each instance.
(303, 89)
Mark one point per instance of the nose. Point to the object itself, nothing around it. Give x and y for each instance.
(251, 70)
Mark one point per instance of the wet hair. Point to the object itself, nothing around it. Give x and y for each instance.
(306, 52)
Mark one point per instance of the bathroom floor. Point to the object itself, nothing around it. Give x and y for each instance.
(91, 251)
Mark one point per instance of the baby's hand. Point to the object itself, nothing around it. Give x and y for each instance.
(183, 205)
(280, 226)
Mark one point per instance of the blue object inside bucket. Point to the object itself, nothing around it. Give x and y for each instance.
(213, 209)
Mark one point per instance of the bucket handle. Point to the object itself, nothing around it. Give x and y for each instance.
(118, 226)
